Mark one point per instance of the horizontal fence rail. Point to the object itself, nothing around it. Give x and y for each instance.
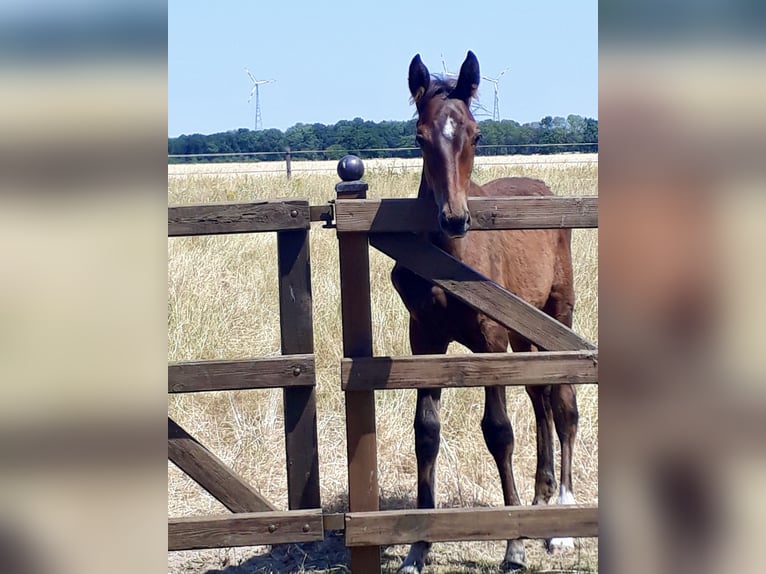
(479, 370)
(238, 217)
(197, 376)
(487, 213)
(451, 525)
(245, 529)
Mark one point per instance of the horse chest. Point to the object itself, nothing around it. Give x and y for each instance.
(427, 303)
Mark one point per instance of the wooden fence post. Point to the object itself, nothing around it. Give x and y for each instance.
(297, 337)
(357, 342)
(287, 161)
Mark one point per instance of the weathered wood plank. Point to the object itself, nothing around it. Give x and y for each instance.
(199, 376)
(487, 213)
(469, 286)
(361, 434)
(357, 342)
(447, 525)
(246, 529)
(424, 371)
(297, 336)
(248, 217)
(212, 474)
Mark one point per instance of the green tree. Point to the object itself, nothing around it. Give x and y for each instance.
(335, 152)
(357, 135)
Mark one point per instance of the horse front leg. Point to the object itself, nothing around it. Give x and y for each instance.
(427, 437)
(498, 434)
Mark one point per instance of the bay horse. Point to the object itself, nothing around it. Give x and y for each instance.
(536, 265)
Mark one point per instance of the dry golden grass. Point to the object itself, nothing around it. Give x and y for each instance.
(222, 303)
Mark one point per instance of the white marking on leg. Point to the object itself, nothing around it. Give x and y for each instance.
(449, 129)
(565, 497)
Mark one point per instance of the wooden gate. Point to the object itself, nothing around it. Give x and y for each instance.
(388, 225)
(255, 520)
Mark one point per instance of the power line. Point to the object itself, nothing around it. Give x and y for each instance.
(362, 151)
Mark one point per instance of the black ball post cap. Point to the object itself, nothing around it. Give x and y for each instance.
(350, 168)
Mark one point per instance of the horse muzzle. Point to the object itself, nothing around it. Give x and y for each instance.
(455, 226)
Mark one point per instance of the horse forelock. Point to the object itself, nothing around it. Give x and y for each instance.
(439, 86)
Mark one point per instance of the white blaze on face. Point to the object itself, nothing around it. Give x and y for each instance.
(449, 129)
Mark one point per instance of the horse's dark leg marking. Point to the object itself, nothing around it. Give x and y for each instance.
(427, 437)
(545, 477)
(498, 434)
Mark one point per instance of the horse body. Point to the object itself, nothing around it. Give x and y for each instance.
(534, 264)
(534, 261)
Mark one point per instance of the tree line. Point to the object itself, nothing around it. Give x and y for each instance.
(380, 140)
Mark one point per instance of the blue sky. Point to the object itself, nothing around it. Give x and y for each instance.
(340, 60)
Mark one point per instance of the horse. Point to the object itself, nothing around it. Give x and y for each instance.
(536, 265)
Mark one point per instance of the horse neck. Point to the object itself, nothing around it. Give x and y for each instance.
(452, 246)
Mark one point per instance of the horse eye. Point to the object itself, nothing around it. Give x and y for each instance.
(419, 140)
(476, 139)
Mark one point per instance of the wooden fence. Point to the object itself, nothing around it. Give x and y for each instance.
(387, 225)
(255, 519)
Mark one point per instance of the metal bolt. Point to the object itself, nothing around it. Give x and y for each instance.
(306, 528)
(296, 371)
(294, 213)
(272, 528)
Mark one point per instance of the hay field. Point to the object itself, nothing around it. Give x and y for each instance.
(222, 304)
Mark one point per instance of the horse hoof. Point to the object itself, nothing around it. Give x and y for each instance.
(559, 545)
(515, 557)
(545, 485)
(513, 565)
(415, 560)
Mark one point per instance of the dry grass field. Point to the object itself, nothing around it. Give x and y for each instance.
(222, 304)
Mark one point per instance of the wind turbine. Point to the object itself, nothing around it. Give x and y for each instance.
(494, 82)
(256, 91)
(447, 74)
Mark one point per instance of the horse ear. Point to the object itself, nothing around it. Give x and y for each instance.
(418, 78)
(468, 80)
